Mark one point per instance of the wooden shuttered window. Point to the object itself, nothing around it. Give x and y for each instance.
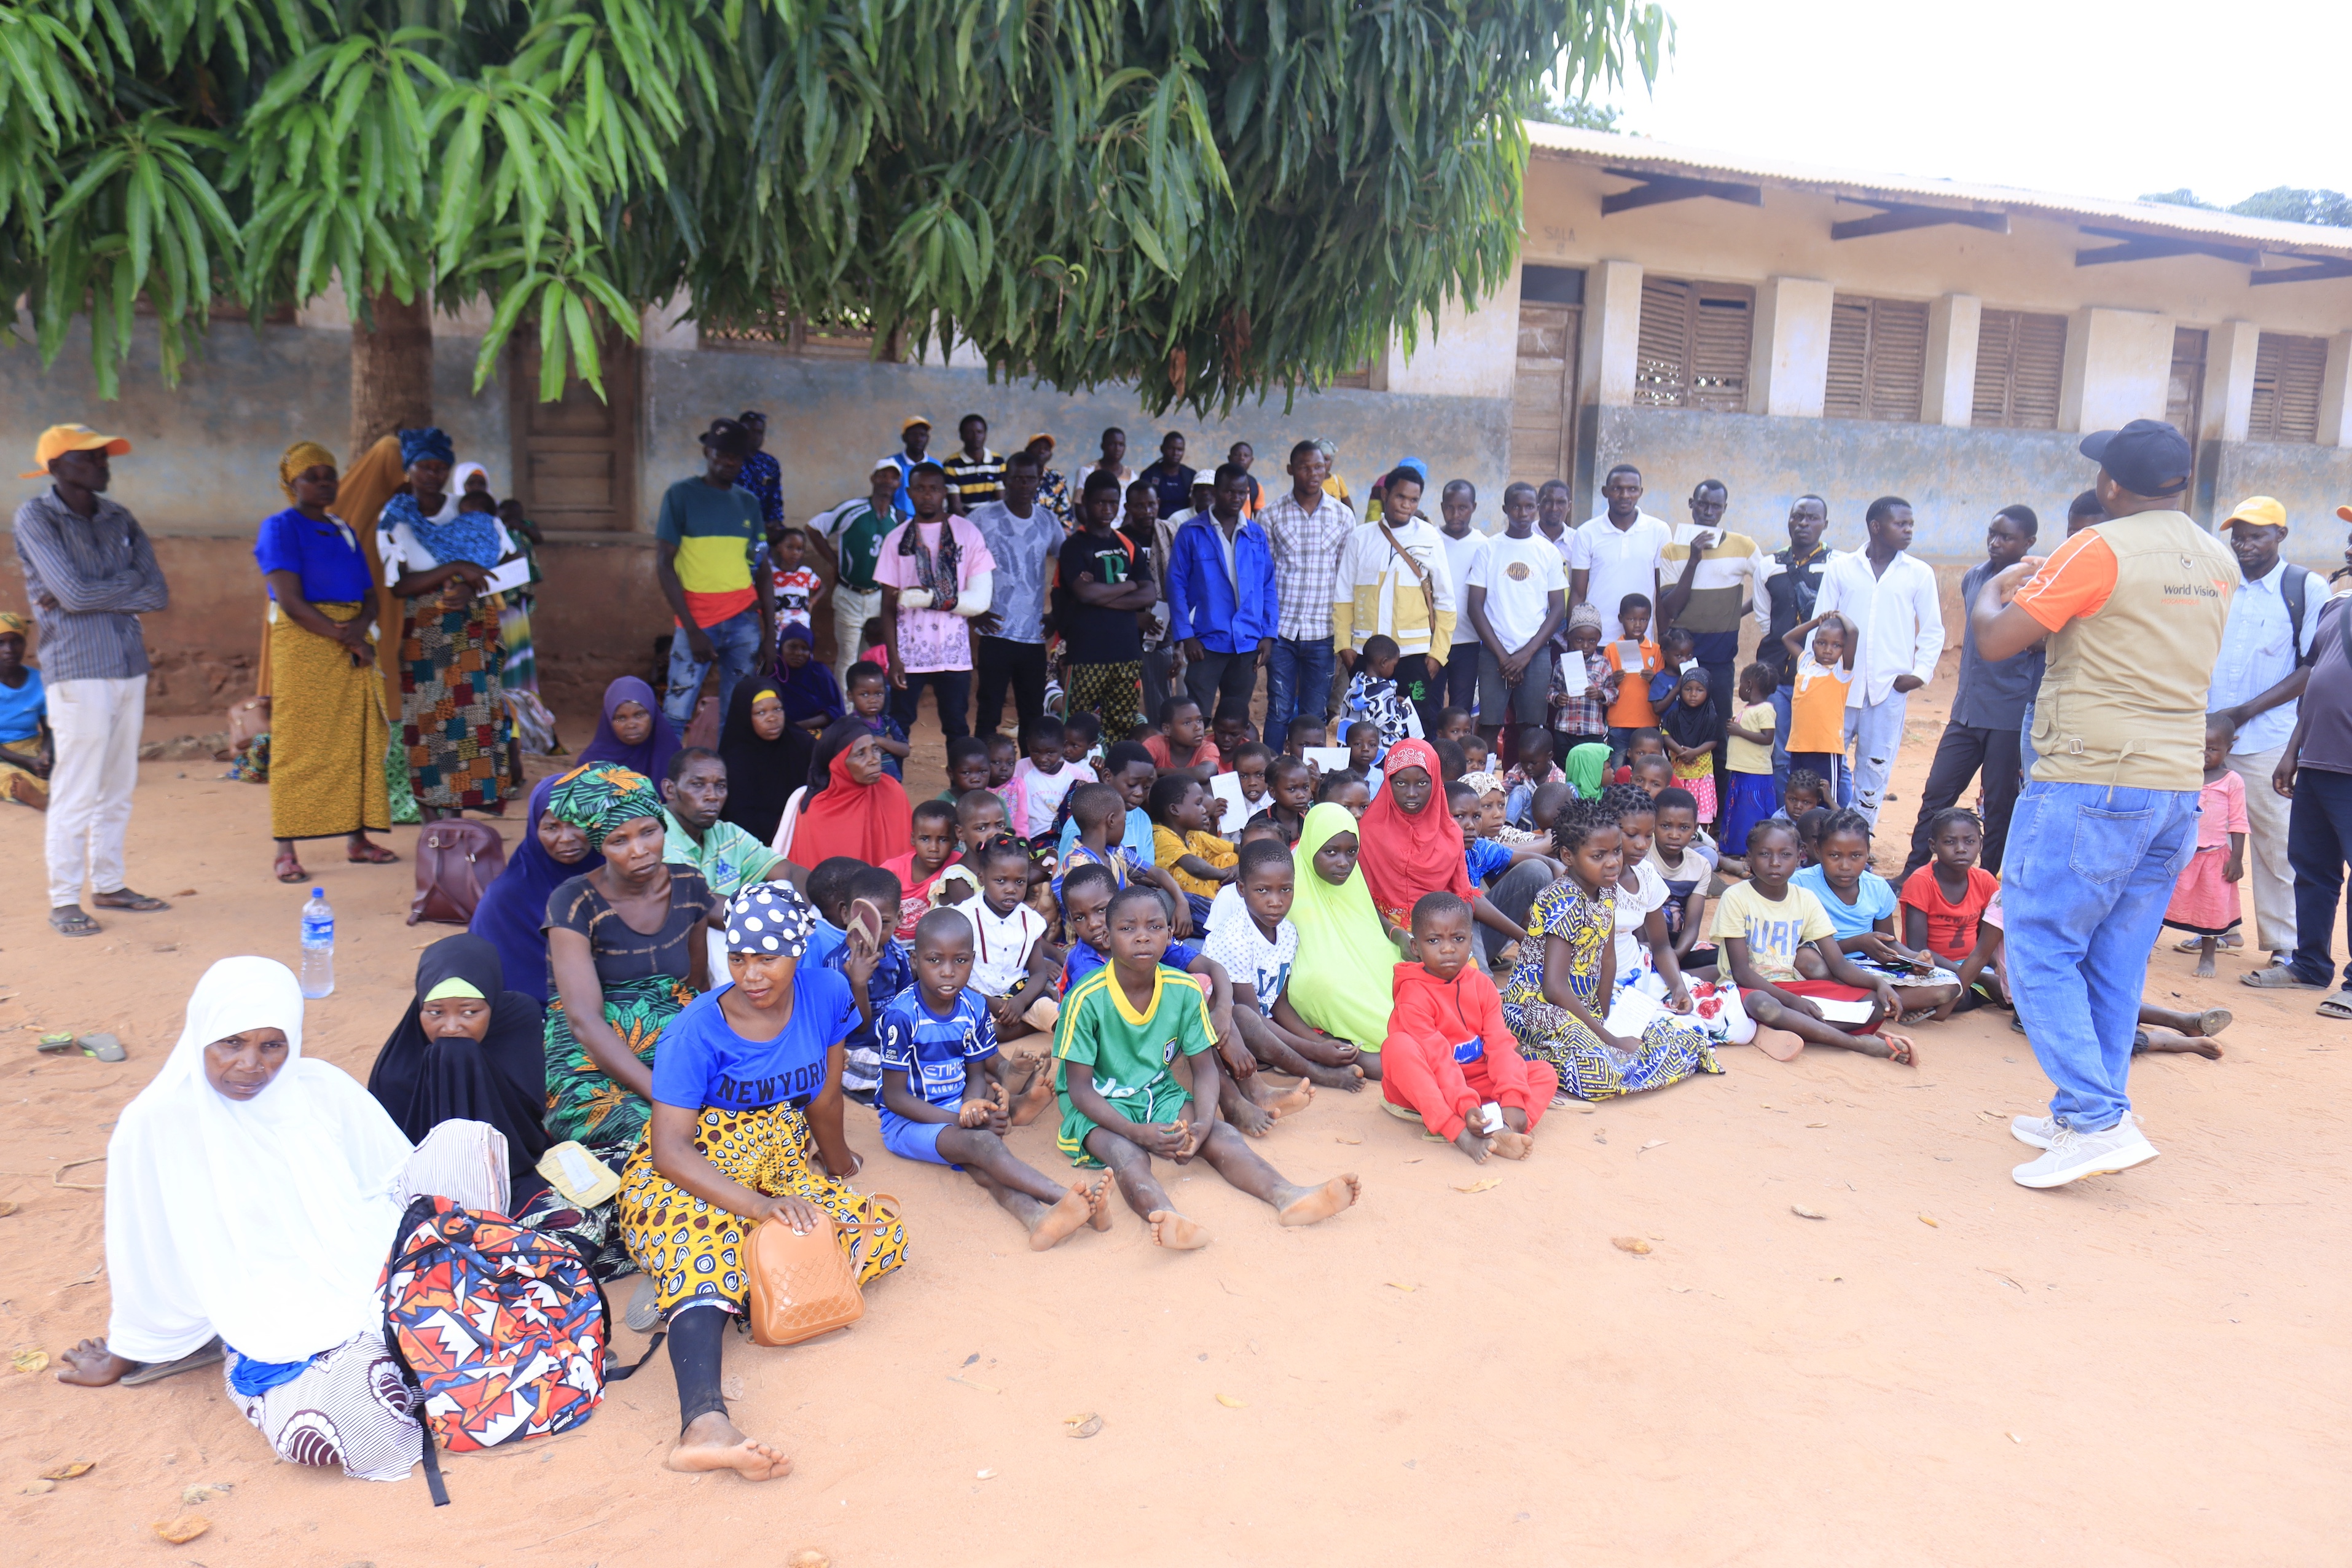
(1878, 359)
(1694, 345)
(2288, 373)
(2021, 359)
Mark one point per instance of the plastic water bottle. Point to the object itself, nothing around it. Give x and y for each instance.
(318, 946)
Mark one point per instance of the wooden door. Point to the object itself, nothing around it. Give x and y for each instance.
(1543, 397)
(2184, 400)
(575, 459)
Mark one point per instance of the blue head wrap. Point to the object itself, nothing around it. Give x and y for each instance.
(430, 442)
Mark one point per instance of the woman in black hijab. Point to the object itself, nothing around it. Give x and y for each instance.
(767, 757)
(469, 1049)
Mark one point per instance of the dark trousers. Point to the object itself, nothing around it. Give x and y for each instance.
(1156, 666)
(1514, 894)
(1020, 665)
(950, 689)
(1462, 675)
(1964, 752)
(2318, 839)
(1223, 683)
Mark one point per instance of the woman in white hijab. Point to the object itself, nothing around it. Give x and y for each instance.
(252, 1195)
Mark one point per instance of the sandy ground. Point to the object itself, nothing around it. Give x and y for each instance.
(1947, 1368)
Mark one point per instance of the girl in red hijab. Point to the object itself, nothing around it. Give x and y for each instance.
(853, 808)
(1411, 845)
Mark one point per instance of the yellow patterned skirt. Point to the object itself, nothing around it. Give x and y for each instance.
(17, 760)
(692, 1249)
(327, 733)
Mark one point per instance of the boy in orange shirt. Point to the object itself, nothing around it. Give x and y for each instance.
(1817, 724)
(1630, 710)
(1454, 1054)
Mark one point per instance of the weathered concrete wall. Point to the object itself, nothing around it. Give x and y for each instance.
(2310, 481)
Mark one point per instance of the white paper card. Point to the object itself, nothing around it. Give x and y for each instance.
(1840, 1011)
(1330, 759)
(506, 579)
(1227, 787)
(1629, 656)
(1571, 674)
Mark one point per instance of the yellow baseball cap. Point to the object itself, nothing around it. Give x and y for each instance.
(58, 439)
(906, 425)
(2260, 511)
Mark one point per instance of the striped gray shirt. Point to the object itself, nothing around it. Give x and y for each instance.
(102, 571)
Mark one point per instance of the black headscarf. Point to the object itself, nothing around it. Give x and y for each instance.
(423, 1083)
(1699, 726)
(760, 775)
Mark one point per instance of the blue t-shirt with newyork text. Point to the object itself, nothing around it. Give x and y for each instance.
(704, 1064)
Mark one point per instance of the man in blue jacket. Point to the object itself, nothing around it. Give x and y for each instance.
(1222, 606)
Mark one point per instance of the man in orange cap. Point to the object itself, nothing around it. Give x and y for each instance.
(90, 573)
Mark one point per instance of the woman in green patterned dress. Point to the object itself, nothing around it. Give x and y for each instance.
(625, 952)
(1554, 1001)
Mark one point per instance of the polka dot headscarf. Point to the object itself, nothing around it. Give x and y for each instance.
(770, 919)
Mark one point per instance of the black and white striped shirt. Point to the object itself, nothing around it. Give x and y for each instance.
(102, 571)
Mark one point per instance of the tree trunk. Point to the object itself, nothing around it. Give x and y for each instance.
(392, 370)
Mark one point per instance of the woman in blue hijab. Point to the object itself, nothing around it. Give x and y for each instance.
(514, 907)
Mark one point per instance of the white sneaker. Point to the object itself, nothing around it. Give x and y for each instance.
(2035, 1132)
(2072, 1155)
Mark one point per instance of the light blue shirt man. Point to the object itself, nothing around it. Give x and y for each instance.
(2259, 649)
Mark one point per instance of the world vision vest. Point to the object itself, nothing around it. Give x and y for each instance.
(2123, 700)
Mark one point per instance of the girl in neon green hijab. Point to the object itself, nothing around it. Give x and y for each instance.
(1345, 974)
(1588, 767)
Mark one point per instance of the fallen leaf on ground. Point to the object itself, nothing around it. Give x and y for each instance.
(984, 1387)
(1817, 1124)
(1480, 1186)
(1653, 1144)
(1803, 1213)
(1084, 1425)
(35, 1489)
(67, 1472)
(6, 1209)
(185, 893)
(1346, 1138)
(986, 1475)
(1230, 1403)
(808, 1560)
(1925, 1220)
(29, 1361)
(1680, 1290)
(2014, 1438)
(1628, 1244)
(179, 1532)
(1399, 1285)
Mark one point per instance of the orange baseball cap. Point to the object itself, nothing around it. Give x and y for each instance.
(2345, 512)
(58, 439)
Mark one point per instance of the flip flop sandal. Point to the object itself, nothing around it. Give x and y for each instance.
(204, 1355)
(2335, 1007)
(2278, 978)
(1902, 1052)
(376, 855)
(103, 1048)
(2212, 1021)
(288, 868)
(73, 921)
(124, 899)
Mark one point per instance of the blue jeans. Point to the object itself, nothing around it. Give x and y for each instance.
(1784, 700)
(1298, 686)
(736, 641)
(2318, 839)
(2088, 873)
(1874, 729)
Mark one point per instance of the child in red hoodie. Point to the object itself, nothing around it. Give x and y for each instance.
(1454, 1056)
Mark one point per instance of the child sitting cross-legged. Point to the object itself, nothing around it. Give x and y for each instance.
(940, 1105)
(1256, 948)
(1762, 924)
(864, 905)
(1943, 908)
(1861, 904)
(1141, 1079)
(1200, 860)
(869, 684)
(1686, 863)
(1449, 1058)
(1013, 966)
(967, 768)
(1039, 782)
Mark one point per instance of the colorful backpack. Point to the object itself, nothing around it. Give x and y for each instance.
(501, 1329)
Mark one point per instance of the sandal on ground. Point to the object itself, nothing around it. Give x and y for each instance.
(369, 854)
(69, 919)
(207, 1354)
(2276, 978)
(1900, 1049)
(2212, 1021)
(289, 869)
(2337, 1007)
(124, 899)
(2192, 944)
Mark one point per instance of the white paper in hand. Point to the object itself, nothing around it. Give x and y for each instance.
(1571, 674)
(1227, 787)
(1330, 759)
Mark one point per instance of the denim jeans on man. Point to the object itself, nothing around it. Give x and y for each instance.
(2090, 870)
(736, 641)
(1874, 730)
(2318, 840)
(1298, 686)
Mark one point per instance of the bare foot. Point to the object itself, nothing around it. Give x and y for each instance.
(2205, 964)
(1472, 1143)
(1057, 1223)
(711, 1442)
(1300, 1097)
(90, 1364)
(1098, 1203)
(1248, 1117)
(1320, 1203)
(1888, 1046)
(1513, 1145)
(1034, 1099)
(2162, 1040)
(1174, 1232)
(1349, 1077)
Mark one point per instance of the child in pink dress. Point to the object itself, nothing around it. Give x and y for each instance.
(2205, 903)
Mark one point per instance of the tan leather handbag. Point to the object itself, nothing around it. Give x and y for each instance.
(804, 1285)
(456, 861)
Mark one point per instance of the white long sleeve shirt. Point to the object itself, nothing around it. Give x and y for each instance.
(1898, 614)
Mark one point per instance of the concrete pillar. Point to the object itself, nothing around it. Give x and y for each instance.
(2229, 381)
(1612, 333)
(1949, 397)
(2118, 369)
(665, 326)
(2335, 393)
(1788, 356)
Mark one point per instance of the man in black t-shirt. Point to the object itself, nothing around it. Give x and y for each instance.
(1103, 585)
(1785, 591)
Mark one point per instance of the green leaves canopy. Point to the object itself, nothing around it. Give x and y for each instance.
(1208, 200)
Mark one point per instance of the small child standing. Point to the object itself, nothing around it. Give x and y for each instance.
(940, 1106)
(1449, 1056)
(1677, 647)
(933, 850)
(1691, 730)
(1039, 782)
(1748, 755)
(2205, 902)
(868, 687)
(796, 585)
(1581, 716)
(1200, 860)
(1012, 964)
(1373, 693)
(1816, 710)
(1003, 756)
(1944, 904)
(1630, 709)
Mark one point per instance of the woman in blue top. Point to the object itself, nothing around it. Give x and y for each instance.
(327, 733)
(748, 1075)
(28, 752)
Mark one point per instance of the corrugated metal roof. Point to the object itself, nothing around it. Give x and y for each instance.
(2151, 218)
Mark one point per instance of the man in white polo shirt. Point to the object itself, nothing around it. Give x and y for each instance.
(1889, 595)
(1618, 552)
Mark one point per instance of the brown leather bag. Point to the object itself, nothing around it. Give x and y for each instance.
(804, 1285)
(457, 861)
(702, 730)
(248, 718)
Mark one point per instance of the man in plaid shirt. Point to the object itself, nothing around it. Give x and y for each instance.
(1308, 530)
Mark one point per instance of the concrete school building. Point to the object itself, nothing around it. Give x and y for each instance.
(1783, 328)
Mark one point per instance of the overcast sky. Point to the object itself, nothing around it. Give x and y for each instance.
(2066, 96)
